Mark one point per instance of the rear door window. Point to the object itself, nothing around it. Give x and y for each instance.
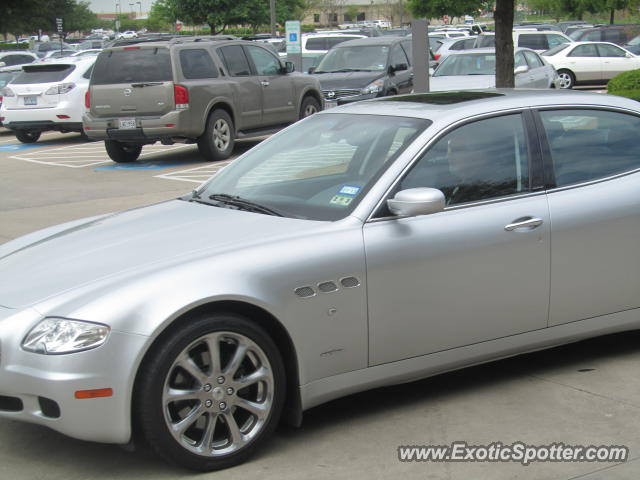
(590, 144)
(235, 60)
(317, 44)
(197, 63)
(43, 74)
(132, 65)
(534, 41)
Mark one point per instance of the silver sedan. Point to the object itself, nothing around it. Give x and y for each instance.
(476, 69)
(370, 245)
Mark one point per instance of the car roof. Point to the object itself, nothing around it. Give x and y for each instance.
(471, 51)
(384, 40)
(449, 107)
(63, 61)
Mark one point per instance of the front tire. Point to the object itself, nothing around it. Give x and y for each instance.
(309, 106)
(218, 139)
(122, 153)
(211, 393)
(567, 79)
(27, 136)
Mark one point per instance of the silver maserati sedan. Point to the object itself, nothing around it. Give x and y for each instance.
(373, 244)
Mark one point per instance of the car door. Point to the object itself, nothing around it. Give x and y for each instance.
(540, 73)
(593, 162)
(585, 62)
(402, 79)
(615, 61)
(477, 271)
(523, 79)
(278, 92)
(248, 88)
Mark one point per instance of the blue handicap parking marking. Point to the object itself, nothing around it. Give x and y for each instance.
(21, 146)
(139, 166)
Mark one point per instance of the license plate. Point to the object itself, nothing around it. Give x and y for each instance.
(330, 104)
(127, 123)
(30, 100)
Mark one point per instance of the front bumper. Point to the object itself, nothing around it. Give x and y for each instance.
(41, 388)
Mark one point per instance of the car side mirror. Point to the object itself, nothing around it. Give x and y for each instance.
(398, 68)
(416, 201)
(629, 55)
(521, 69)
(290, 67)
(311, 70)
(2, 64)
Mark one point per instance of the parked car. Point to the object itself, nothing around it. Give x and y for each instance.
(633, 45)
(6, 75)
(590, 62)
(87, 53)
(570, 23)
(323, 42)
(365, 68)
(445, 47)
(476, 69)
(56, 54)
(16, 57)
(209, 92)
(203, 321)
(41, 49)
(618, 34)
(127, 34)
(46, 96)
(539, 41)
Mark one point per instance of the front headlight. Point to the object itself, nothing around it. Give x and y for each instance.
(54, 336)
(374, 87)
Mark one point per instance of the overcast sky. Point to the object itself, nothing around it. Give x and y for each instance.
(109, 6)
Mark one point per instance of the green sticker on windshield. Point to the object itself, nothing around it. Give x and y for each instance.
(341, 200)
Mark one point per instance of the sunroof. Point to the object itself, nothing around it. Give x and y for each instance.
(442, 98)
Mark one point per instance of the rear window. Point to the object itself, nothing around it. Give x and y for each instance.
(43, 74)
(132, 65)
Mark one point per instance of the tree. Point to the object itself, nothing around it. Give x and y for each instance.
(503, 17)
(80, 18)
(163, 12)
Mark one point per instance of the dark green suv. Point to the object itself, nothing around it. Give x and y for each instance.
(186, 91)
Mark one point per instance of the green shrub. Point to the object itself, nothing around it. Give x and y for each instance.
(626, 84)
(14, 46)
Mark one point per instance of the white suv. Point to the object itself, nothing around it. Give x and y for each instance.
(47, 96)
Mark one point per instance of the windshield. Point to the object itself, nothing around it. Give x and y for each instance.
(318, 169)
(365, 58)
(467, 64)
(556, 49)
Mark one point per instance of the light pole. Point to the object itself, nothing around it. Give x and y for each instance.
(118, 7)
(272, 14)
(132, 10)
(140, 5)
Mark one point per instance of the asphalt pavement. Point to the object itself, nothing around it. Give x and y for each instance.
(583, 394)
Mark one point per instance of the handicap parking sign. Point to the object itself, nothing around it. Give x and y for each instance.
(293, 37)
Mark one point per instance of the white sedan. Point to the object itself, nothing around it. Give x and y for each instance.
(590, 62)
(476, 69)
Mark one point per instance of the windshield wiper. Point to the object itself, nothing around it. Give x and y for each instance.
(243, 204)
(145, 84)
(344, 70)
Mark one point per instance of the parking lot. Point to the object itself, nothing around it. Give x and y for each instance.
(583, 394)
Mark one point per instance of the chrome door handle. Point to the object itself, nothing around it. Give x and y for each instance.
(526, 222)
(264, 83)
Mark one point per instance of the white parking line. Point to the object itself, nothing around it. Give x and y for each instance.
(195, 175)
(83, 155)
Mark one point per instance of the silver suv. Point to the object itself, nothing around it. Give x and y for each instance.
(186, 91)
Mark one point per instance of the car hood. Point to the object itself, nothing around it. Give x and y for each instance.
(347, 80)
(461, 82)
(54, 262)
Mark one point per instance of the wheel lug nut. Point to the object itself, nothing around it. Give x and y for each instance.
(229, 391)
(208, 403)
(223, 405)
(207, 388)
(221, 380)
